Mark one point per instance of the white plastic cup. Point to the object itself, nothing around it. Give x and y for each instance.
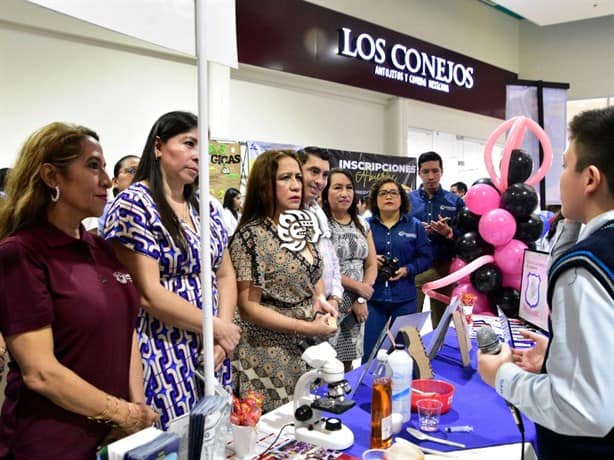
(429, 411)
(468, 311)
(374, 454)
(244, 440)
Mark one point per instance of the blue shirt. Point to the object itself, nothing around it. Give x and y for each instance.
(442, 204)
(407, 241)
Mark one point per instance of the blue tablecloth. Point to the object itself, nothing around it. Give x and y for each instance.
(474, 403)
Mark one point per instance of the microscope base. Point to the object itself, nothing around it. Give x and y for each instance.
(319, 436)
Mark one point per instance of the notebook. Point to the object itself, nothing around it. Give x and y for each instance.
(164, 447)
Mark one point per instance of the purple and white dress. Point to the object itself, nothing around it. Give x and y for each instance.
(170, 355)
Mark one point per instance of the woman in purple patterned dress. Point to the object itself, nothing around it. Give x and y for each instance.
(154, 228)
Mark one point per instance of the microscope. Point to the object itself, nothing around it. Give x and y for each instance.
(310, 426)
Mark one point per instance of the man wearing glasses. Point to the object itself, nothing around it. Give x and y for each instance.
(436, 208)
(123, 173)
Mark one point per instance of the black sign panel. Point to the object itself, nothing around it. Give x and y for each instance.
(305, 39)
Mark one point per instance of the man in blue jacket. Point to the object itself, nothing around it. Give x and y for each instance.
(436, 208)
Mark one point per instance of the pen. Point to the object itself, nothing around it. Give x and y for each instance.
(459, 429)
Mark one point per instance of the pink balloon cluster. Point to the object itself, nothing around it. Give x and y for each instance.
(496, 225)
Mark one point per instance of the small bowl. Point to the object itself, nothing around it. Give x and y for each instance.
(444, 392)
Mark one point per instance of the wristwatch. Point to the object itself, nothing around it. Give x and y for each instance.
(361, 300)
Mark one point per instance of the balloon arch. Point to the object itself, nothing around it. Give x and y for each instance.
(498, 224)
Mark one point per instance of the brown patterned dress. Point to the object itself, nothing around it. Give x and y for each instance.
(269, 361)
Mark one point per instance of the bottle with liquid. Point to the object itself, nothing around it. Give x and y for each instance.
(381, 404)
(402, 372)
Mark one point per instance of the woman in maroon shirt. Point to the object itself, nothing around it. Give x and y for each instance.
(67, 306)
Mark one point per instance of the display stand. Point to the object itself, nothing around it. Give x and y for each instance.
(464, 341)
(455, 314)
(414, 345)
(439, 334)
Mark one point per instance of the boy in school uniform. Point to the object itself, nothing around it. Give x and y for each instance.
(564, 384)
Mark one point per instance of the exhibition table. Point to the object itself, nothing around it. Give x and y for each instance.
(474, 403)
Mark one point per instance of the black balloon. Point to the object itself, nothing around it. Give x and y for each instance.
(529, 231)
(521, 166)
(470, 246)
(485, 180)
(467, 221)
(487, 278)
(532, 246)
(520, 200)
(508, 299)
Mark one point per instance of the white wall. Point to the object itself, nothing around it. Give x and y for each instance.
(272, 106)
(118, 92)
(579, 53)
(56, 68)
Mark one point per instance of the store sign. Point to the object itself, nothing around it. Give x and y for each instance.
(321, 43)
(405, 64)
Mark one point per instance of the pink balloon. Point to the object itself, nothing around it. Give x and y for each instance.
(509, 257)
(481, 305)
(457, 264)
(429, 288)
(497, 227)
(490, 143)
(482, 198)
(511, 280)
(518, 125)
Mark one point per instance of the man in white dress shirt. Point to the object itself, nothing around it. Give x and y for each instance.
(315, 168)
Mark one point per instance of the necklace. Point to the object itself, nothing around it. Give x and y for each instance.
(345, 220)
(186, 212)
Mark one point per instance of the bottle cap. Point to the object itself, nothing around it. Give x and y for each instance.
(382, 355)
(399, 346)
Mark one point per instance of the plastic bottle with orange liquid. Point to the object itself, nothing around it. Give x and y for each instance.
(381, 404)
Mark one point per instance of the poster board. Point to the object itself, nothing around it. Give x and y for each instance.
(365, 168)
(533, 306)
(224, 167)
(413, 342)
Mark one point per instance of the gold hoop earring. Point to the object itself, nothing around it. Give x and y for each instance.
(55, 197)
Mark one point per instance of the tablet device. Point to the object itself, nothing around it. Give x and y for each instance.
(533, 306)
(511, 327)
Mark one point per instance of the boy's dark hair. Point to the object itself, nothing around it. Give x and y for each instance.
(322, 154)
(429, 156)
(593, 133)
(460, 187)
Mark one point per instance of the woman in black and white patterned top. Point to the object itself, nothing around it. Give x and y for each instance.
(351, 236)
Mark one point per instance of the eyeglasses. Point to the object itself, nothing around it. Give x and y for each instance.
(392, 193)
(130, 171)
